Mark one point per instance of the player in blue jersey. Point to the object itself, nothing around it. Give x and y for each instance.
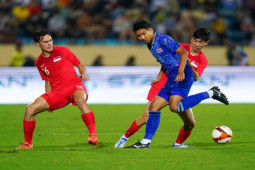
(173, 59)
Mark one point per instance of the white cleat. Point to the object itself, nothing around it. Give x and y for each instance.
(121, 142)
(176, 145)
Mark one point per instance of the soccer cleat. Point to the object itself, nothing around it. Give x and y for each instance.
(121, 142)
(25, 145)
(93, 139)
(139, 145)
(218, 95)
(176, 145)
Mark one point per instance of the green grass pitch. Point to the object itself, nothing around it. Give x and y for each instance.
(60, 139)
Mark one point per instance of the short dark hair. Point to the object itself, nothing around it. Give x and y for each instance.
(201, 33)
(141, 24)
(37, 35)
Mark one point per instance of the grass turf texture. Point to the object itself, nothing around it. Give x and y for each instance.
(60, 139)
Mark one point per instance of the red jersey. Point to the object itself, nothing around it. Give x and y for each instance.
(199, 61)
(58, 68)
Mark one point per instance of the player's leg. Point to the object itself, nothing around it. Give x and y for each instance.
(154, 118)
(39, 105)
(135, 126)
(189, 122)
(79, 97)
(152, 122)
(193, 100)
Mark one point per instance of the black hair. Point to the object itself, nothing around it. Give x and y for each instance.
(38, 35)
(141, 24)
(201, 33)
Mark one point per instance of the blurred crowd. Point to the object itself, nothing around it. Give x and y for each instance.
(90, 21)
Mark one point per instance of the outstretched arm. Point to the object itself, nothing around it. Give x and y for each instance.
(83, 72)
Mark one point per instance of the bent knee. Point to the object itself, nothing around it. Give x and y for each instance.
(80, 101)
(30, 109)
(174, 108)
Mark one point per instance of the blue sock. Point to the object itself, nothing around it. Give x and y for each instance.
(152, 124)
(191, 101)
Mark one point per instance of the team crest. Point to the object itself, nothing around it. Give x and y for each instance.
(56, 59)
(159, 50)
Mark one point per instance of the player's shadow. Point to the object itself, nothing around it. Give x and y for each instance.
(72, 147)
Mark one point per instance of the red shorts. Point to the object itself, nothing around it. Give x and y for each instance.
(60, 98)
(156, 87)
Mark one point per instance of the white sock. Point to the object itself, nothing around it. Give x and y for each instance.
(210, 92)
(146, 141)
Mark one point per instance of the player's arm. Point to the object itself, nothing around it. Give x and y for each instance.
(196, 75)
(47, 86)
(159, 76)
(183, 59)
(83, 72)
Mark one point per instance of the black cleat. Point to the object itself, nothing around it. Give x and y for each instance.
(139, 145)
(218, 95)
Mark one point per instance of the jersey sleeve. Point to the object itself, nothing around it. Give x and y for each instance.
(200, 69)
(43, 76)
(170, 43)
(72, 57)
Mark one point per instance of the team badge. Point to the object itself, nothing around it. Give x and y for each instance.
(159, 50)
(56, 59)
(194, 64)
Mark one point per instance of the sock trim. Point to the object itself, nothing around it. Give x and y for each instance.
(154, 112)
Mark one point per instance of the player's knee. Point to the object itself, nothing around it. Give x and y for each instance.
(154, 107)
(80, 101)
(30, 110)
(174, 108)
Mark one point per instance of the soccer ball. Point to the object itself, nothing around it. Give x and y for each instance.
(222, 134)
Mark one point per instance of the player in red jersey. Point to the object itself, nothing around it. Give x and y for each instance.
(62, 86)
(198, 62)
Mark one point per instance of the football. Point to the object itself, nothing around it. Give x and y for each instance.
(222, 134)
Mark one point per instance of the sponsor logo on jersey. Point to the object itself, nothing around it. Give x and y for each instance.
(79, 87)
(159, 50)
(56, 59)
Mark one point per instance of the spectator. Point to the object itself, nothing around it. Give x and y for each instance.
(17, 56)
(131, 61)
(242, 58)
(29, 62)
(98, 61)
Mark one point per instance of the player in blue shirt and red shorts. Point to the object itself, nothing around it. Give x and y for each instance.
(180, 76)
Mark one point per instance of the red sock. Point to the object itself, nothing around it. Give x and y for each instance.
(183, 135)
(132, 129)
(28, 128)
(89, 120)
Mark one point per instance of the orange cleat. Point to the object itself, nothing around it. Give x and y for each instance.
(93, 139)
(25, 145)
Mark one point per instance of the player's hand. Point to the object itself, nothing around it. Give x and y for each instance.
(155, 81)
(180, 77)
(188, 61)
(84, 77)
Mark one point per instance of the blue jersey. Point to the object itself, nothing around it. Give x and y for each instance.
(163, 49)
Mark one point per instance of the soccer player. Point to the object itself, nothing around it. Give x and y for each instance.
(198, 62)
(62, 86)
(180, 76)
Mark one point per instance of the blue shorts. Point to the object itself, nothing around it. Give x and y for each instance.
(181, 88)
